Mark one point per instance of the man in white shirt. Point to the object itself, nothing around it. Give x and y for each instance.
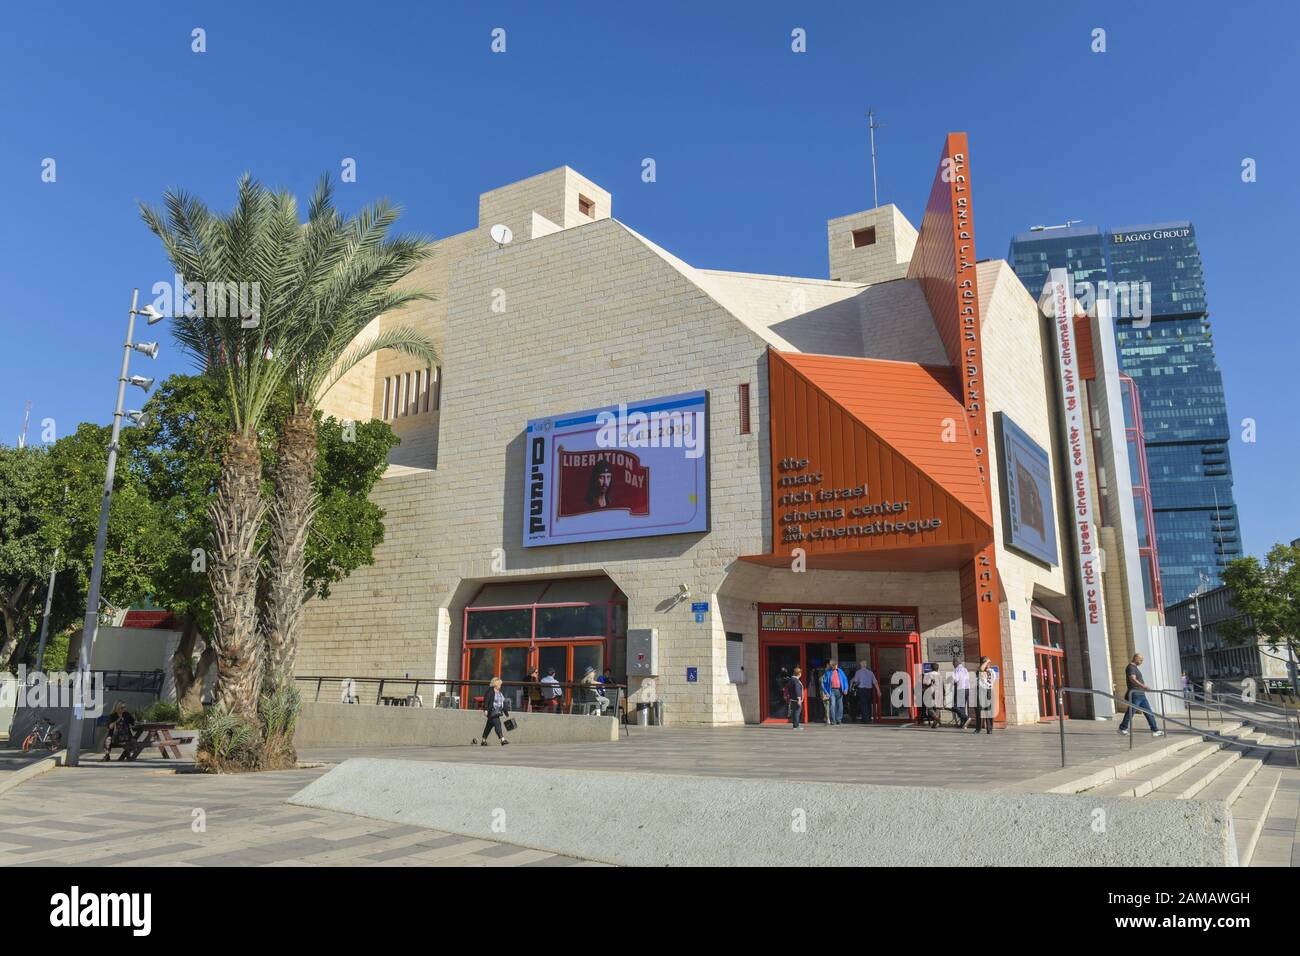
(551, 690)
(960, 690)
(864, 685)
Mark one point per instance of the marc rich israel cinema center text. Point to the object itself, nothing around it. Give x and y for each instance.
(735, 474)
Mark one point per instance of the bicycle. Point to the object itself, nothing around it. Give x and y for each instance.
(44, 734)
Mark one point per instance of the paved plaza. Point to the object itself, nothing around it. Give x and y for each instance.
(850, 753)
(143, 814)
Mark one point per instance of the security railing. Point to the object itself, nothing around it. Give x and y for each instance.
(551, 697)
(1166, 720)
(1259, 713)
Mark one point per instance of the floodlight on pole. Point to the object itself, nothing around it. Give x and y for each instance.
(147, 348)
(142, 382)
(90, 628)
(152, 315)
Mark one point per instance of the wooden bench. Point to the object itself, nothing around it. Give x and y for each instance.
(155, 735)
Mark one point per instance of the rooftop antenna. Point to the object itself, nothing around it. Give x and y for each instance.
(1065, 225)
(27, 417)
(872, 125)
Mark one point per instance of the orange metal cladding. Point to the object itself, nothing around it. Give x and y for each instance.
(880, 424)
(944, 262)
(1083, 347)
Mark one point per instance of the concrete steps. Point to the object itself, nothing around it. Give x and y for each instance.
(1141, 781)
(1250, 810)
(1190, 784)
(1260, 786)
(1128, 766)
(1278, 841)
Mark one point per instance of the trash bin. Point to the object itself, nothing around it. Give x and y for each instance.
(657, 714)
(642, 714)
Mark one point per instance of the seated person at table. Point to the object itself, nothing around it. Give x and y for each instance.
(552, 692)
(593, 691)
(121, 729)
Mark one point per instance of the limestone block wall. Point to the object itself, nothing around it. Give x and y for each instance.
(382, 620)
(596, 317)
(885, 259)
(1016, 383)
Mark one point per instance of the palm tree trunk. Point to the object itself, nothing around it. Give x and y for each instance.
(236, 514)
(291, 518)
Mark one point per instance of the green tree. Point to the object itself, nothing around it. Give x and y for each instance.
(160, 524)
(1268, 593)
(25, 551)
(175, 459)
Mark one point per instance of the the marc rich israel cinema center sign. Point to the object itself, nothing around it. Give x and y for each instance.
(632, 470)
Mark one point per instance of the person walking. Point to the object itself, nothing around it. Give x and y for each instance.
(984, 680)
(495, 707)
(864, 687)
(960, 691)
(1136, 696)
(834, 683)
(794, 697)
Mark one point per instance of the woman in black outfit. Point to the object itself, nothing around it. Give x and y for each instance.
(494, 707)
(121, 729)
(984, 696)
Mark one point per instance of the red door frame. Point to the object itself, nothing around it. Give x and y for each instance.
(531, 640)
(1049, 666)
(1049, 662)
(910, 640)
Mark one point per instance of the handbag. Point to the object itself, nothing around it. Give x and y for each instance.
(511, 724)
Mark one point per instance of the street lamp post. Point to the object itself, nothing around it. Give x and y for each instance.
(91, 626)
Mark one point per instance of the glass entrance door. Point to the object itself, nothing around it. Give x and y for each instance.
(893, 659)
(1050, 666)
(779, 662)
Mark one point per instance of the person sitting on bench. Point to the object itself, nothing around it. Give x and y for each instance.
(121, 730)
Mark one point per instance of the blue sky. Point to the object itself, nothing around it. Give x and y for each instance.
(755, 147)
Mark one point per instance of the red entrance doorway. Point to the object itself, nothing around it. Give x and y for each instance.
(809, 636)
(1049, 661)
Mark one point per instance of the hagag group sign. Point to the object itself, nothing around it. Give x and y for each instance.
(630, 470)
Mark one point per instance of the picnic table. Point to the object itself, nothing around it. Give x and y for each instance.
(154, 735)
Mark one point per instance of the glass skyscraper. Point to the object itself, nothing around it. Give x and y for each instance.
(1165, 346)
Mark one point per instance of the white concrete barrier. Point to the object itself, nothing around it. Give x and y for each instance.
(664, 820)
(371, 725)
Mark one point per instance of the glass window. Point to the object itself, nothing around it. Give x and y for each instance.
(588, 655)
(583, 620)
(507, 625)
(556, 657)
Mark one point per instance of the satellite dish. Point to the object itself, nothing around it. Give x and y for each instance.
(501, 234)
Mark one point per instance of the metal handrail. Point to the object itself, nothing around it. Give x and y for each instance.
(617, 693)
(1243, 709)
(1231, 741)
(1288, 711)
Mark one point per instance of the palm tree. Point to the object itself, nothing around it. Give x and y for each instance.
(349, 270)
(312, 289)
(257, 245)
